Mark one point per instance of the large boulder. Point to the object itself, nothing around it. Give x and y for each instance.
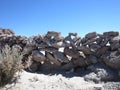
(38, 56)
(6, 32)
(85, 50)
(112, 60)
(101, 51)
(68, 66)
(115, 46)
(84, 62)
(91, 35)
(100, 73)
(115, 39)
(110, 33)
(48, 67)
(111, 86)
(88, 42)
(52, 59)
(34, 66)
(94, 47)
(60, 57)
(71, 52)
(52, 34)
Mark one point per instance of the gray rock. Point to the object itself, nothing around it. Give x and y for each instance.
(84, 62)
(94, 47)
(59, 45)
(71, 52)
(51, 58)
(27, 49)
(72, 38)
(85, 50)
(34, 66)
(91, 35)
(99, 40)
(52, 33)
(111, 33)
(60, 57)
(6, 32)
(113, 60)
(111, 86)
(91, 59)
(92, 77)
(116, 39)
(90, 41)
(48, 67)
(67, 66)
(100, 73)
(114, 46)
(81, 62)
(49, 49)
(38, 56)
(59, 38)
(101, 51)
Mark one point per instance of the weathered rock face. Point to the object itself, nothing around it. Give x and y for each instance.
(113, 60)
(44, 50)
(111, 86)
(100, 73)
(6, 32)
(38, 56)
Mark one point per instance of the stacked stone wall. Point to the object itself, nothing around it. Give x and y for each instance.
(97, 53)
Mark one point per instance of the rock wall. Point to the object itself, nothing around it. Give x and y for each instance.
(97, 53)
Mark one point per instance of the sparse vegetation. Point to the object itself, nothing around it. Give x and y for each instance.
(10, 63)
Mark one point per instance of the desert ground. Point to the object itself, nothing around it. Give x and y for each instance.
(35, 81)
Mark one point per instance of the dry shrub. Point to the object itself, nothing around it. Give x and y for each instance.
(10, 63)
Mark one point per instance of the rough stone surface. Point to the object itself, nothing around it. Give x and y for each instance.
(91, 35)
(113, 60)
(44, 50)
(38, 56)
(100, 73)
(111, 86)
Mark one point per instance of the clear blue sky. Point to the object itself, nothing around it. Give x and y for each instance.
(32, 17)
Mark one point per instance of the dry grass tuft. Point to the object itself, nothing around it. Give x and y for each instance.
(10, 63)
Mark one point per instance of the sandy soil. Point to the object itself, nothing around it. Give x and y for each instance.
(34, 81)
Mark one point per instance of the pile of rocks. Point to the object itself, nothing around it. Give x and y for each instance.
(97, 53)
